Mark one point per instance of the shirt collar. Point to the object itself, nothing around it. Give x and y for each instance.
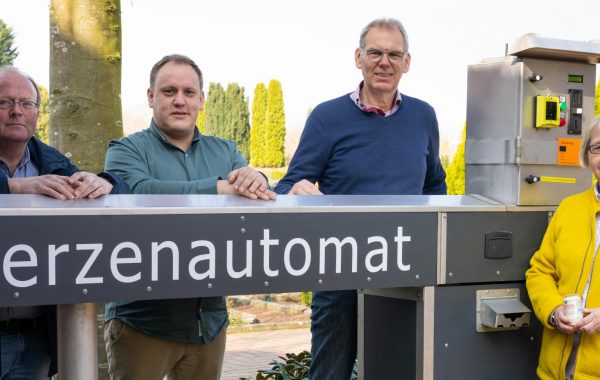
(21, 170)
(355, 96)
(596, 191)
(164, 138)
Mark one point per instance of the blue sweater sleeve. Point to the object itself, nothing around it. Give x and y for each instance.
(435, 178)
(310, 158)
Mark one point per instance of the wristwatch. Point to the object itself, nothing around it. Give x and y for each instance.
(552, 320)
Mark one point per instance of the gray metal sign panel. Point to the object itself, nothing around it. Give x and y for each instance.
(463, 353)
(84, 258)
(394, 329)
(466, 260)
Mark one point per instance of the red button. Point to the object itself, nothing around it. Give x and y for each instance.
(563, 121)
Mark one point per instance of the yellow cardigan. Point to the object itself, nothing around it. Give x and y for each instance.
(560, 267)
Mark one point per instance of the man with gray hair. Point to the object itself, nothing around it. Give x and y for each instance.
(372, 141)
(28, 166)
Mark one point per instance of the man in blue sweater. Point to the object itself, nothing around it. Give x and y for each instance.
(372, 141)
(28, 166)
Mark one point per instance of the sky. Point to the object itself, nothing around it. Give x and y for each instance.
(308, 45)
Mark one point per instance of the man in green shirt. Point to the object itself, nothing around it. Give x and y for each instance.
(177, 338)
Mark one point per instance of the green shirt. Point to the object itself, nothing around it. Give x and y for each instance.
(150, 164)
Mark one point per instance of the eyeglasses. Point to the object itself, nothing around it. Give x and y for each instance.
(26, 105)
(594, 149)
(375, 55)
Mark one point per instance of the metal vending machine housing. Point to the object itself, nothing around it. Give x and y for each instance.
(526, 113)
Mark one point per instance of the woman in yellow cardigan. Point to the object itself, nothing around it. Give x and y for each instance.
(568, 263)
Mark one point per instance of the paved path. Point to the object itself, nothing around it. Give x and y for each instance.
(247, 352)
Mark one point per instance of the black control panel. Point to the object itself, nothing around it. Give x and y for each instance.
(575, 112)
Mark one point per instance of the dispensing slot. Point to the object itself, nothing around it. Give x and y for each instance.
(501, 310)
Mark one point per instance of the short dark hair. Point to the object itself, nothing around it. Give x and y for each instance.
(178, 58)
(13, 69)
(390, 23)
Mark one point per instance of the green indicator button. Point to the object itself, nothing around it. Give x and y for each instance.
(563, 106)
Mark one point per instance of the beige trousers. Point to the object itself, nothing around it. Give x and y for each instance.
(133, 355)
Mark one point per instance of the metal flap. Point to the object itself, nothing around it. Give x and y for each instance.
(509, 305)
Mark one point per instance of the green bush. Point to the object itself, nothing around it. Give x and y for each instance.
(455, 172)
(306, 298)
(293, 367)
(277, 174)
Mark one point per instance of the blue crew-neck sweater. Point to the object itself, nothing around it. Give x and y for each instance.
(350, 151)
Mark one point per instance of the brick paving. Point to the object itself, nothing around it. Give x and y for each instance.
(247, 352)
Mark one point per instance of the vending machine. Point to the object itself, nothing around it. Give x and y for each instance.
(526, 114)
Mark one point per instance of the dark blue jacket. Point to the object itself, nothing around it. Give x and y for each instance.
(50, 161)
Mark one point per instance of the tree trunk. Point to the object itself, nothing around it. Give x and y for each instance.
(85, 79)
